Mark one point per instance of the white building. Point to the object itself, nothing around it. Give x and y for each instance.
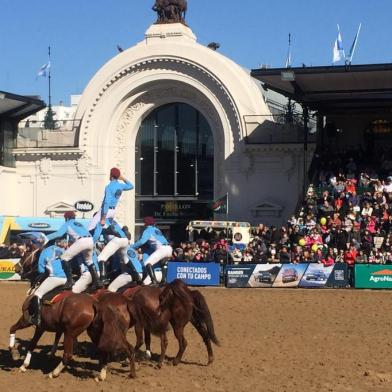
(183, 122)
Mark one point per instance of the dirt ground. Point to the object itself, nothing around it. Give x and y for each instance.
(271, 340)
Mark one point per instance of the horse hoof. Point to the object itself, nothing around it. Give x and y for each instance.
(148, 354)
(22, 369)
(97, 380)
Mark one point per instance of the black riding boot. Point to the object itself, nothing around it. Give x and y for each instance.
(135, 275)
(36, 311)
(68, 273)
(97, 284)
(102, 269)
(164, 274)
(151, 274)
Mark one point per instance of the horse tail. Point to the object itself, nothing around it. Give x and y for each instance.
(201, 315)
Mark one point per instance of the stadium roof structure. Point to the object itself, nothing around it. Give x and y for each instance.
(333, 89)
(17, 107)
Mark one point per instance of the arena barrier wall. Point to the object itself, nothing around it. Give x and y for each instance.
(286, 275)
(7, 269)
(371, 276)
(195, 274)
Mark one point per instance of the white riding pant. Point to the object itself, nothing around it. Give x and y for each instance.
(84, 246)
(111, 214)
(112, 247)
(120, 281)
(48, 285)
(82, 283)
(163, 252)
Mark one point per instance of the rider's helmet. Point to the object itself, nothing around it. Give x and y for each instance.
(149, 221)
(115, 173)
(69, 215)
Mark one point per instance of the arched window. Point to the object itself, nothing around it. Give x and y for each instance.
(175, 154)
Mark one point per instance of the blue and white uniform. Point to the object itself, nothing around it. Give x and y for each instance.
(154, 244)
(118, 241)
(82, 241)
(85, 278)
(50, 262)
(125, 278)
(113, 192)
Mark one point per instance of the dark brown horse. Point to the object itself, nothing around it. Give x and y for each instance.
(155, 308)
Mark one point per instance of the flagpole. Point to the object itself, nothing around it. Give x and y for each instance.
(227, 228)
(288, 60)
(354, 46)
(49, 81)
(49, 117)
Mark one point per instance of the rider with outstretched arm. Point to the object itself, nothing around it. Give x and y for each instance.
(155, 245)
(51, 274)
(82, 244)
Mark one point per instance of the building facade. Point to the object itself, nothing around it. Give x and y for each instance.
(184, 123)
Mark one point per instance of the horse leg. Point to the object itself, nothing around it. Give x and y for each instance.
(139, 337)
(55, 344)
(103, 365)
(20, 324)
(182, 343)
(67, 355)
(164, 343)
(147, 341)
(206, 339)
(33, 344)
(131, 357)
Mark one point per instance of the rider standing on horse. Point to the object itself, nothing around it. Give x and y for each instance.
(155, 246)
(85, 279)
(113, 192)
(51, 274)
(130, 273)
(82, 244)
(118, 240)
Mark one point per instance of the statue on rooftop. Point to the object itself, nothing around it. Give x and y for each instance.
(170, 11)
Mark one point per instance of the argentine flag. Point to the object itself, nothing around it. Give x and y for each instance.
(338, 51)
(42, 71)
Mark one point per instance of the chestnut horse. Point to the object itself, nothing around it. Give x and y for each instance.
(155, 308)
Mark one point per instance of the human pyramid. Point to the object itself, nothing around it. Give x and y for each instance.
(56, 304)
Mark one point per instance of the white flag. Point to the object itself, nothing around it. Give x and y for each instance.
(338, 51)
(42, 71)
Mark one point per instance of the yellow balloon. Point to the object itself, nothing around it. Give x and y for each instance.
(323, 221)
(314, 247)
(302, 242)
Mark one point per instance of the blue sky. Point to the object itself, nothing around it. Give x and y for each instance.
(84, 34)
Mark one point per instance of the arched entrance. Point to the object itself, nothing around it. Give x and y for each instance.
(174, 168)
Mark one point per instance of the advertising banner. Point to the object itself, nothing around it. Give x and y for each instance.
(195, 274)
(251, 275)
(316, 275)
(339, 276)
(370, 276)
(290, 275)
(7, 269)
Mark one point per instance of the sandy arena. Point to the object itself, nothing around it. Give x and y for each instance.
(272, 340)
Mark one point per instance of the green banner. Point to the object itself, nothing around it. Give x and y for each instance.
(370, 276)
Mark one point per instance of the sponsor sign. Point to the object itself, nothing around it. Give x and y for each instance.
(370, 276)
(316, 275)
(290, 275)
(195, 274)
(339, 276)
(84, 206)
(251, 275)
(7, 269)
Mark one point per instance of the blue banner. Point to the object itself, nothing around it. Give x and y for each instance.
(195, 274)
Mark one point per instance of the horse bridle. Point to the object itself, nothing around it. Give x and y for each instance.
(29, 258)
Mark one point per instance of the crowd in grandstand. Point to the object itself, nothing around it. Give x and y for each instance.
(346, 217)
